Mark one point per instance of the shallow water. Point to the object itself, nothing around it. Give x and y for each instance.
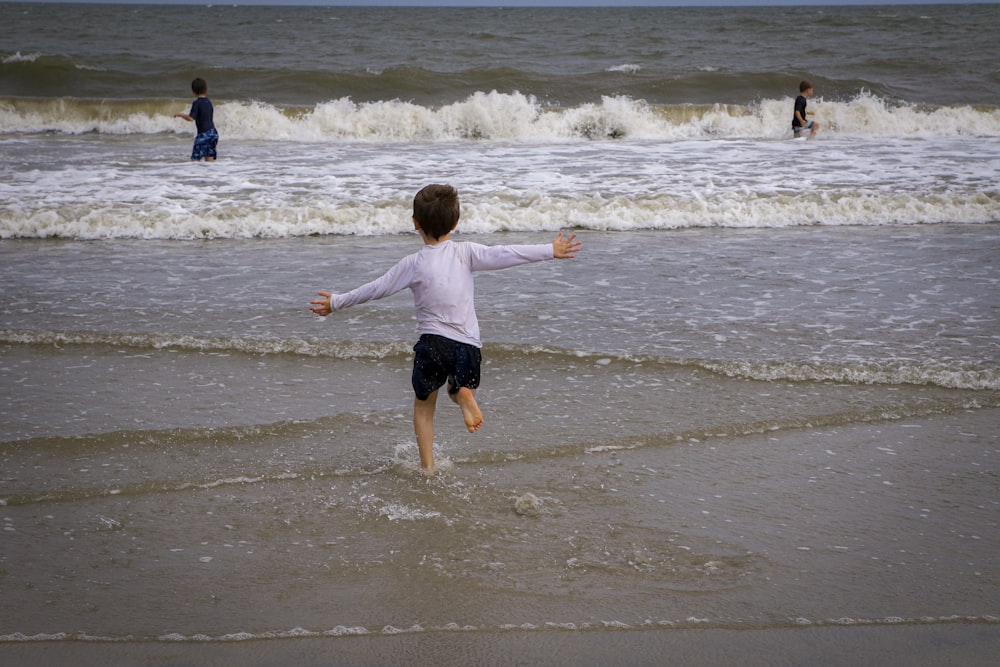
(679, 426)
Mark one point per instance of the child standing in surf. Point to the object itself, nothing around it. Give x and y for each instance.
(440, 275)
(202, 113)
(800, 121)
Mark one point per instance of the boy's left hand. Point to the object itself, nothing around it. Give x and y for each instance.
(322, 306)
(565, 248)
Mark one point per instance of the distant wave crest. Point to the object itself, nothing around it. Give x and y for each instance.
(497, 116)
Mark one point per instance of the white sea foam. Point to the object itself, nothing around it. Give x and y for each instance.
(567, 626)
(346, 168)
(406, 456)
(19, 58)
(628, 68)
(231, 219)
(617, 186)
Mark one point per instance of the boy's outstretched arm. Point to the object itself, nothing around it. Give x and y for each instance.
(565, 248)
(322, 306)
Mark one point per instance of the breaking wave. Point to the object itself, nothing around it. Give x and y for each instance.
(496, 116)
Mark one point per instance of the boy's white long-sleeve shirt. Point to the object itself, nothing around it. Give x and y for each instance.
(440, 277)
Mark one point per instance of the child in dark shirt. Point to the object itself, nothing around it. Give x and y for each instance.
(800, 121)
(201, 114)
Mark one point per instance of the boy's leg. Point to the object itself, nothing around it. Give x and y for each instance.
(466, 399)
(198, 150)
(213, 141)
(430, 371)
(423, 425)
(463, 382)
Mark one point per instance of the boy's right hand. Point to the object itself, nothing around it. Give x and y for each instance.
(322, 306)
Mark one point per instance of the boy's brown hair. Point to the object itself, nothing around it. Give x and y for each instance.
(436, 210)
(199, 86)
(804, 86)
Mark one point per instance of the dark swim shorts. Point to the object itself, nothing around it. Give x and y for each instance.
(204, 145)
(439, 360)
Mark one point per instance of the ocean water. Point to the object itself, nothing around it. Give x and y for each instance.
(611, 119)
(764, 396)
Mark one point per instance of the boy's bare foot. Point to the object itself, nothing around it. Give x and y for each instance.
(470, 409)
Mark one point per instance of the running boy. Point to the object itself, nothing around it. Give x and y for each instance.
(800, 122)
(440, 277)
(201, 113)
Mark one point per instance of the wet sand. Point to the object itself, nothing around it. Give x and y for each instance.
(930, 645)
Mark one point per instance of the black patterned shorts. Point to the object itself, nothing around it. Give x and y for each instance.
(438, 360)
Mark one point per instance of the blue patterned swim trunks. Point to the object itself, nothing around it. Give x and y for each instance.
(204, 145)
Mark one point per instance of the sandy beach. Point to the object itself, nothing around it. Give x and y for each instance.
(931, 645)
